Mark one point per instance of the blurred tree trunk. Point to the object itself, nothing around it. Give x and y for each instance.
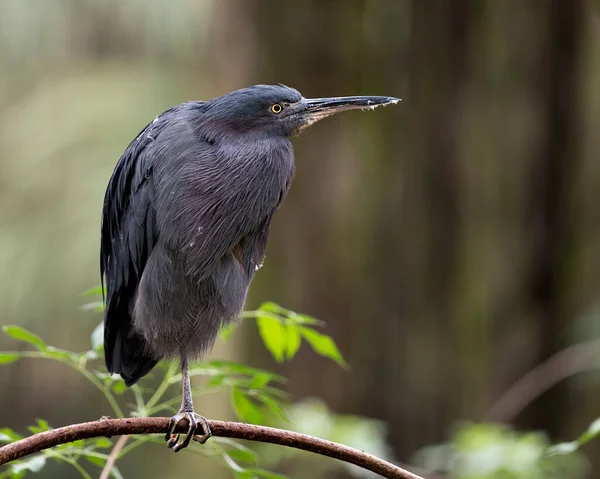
(556, 164)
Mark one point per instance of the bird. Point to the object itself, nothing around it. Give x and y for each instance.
(185, 222)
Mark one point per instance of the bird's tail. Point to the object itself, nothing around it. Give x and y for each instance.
(128, 358)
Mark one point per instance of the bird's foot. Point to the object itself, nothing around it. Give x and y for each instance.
(195, 422)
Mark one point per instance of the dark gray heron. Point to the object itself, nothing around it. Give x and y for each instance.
(185, 224)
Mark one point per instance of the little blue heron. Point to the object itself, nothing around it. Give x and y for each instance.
(185, 224)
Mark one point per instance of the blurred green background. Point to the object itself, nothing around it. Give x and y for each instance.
(451, 243)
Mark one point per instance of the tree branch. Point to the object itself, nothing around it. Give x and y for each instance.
(235, 430)
(112, 458)
(564, 364)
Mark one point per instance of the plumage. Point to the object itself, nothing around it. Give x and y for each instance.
(185, 224)
(163, 220)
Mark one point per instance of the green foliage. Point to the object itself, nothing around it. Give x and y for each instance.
(312, 416)
(282, 332)
(6, 358)
(21, 334)
(592, 432)
(493, 451)
(475, 451)
(256, 395)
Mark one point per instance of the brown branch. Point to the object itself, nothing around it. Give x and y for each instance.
(235, 430)
(573, 360)
(110, 462)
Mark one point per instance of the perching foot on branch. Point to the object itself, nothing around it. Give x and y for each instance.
(195, 422)
(186, 412)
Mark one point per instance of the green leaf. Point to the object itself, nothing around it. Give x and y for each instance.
(273, 335)
(277, 394)
(323, 345)
(591, 433)
(224, 367)
(226, 332)
(97, 291)
(118, 387)
(289, 316)
(260, 381)
(97, 306)
(293, 340)
(243, 455)
(7, 358)
(33, 464)
(271, 307)
(243, 474)
(244, 408)
(563, 448)
(8, 435)
(56, 353)
(72, 447)
(216, 381)
(594, 429)
(40, 426)
(102, 443)
(97, 337)
(309, 320)
(21, 334)
(273, 405)
(264, 474)
(98, 461)
(78, 444)
(228, 368)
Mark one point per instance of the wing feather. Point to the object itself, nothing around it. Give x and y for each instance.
(128, 237)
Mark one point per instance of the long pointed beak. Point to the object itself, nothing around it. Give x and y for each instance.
(311, 110)
(328, 106)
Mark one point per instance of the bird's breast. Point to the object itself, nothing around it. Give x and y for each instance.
(260, 169)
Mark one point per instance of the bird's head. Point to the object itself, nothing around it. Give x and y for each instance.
(279, 110)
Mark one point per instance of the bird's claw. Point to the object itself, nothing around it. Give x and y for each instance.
(195, 421)
(205, 427)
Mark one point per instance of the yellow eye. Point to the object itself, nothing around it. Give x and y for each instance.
(276, 108)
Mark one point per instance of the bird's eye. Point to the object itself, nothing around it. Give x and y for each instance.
(276, 108)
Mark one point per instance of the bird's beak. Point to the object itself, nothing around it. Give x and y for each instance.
(342, 103)
(315, 109)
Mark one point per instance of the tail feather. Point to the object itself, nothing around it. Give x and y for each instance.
(128, 358)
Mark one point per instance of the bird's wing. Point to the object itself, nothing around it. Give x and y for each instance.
(128, 237)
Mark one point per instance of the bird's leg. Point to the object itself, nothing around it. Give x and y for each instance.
(187, 412)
